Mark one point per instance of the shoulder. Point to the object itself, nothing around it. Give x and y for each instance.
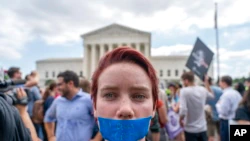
(34, 88)
(201, 88)
(185, 91)
(86, 97)
(59, 99)
(50, 98)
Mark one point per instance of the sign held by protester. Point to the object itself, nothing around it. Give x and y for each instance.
(200, 59)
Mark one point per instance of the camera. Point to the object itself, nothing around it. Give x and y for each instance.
(8, 90)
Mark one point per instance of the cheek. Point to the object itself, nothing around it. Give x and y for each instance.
(145, 109)
(105, 109)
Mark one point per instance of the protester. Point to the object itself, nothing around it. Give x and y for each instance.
(124, 80)
(73, 111)
(247, 83)
(243, 112)
(240, 88)
(213, 121)
(227, 105)
(174, 98)
(192, 104)
(85, 85)
(157, 127)
(174, 104)
(34, 95)
(14, 73)
(48, 98)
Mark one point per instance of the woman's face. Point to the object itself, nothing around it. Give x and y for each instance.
(124, 92)
(172, 90)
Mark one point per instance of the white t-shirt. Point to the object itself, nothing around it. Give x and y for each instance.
(192, 105)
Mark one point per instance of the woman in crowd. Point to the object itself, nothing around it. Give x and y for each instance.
(125, 92)
(243, 111)
(174, 101)
(240, 88)
(85, 85)
(174, 104)
(48, 98)
(157, 126)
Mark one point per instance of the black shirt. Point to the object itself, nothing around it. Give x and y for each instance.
(242, 113)
(11, 125)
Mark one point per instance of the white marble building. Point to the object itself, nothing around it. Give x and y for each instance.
(100, 41)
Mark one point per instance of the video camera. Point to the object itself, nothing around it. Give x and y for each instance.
(8, 89)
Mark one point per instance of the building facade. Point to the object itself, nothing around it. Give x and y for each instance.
(100, 41)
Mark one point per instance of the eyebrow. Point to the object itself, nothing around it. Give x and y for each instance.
(113, 87)
(143, 88)
(109, 87)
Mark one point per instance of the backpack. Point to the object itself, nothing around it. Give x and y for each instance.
(38, 112)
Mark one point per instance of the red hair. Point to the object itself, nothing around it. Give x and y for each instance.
(125, 54)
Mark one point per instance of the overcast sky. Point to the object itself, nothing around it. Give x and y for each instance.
(31, 30)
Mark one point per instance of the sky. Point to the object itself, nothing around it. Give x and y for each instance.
(32, 30)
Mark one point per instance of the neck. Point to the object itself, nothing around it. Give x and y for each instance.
(72, 93)
(191, 84)
(227, 87)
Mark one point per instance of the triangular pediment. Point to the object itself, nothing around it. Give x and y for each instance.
(115, 29)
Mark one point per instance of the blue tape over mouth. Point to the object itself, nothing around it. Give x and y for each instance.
(124, 130)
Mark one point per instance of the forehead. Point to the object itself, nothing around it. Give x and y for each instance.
(124, 74)
(60, 79)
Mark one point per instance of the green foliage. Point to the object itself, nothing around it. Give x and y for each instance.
(49, 81)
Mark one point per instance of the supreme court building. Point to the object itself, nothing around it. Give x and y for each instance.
(103, 40)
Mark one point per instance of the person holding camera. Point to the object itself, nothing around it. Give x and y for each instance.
(14, 73)
(15, 123)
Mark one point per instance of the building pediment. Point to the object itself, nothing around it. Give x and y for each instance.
(115, 30)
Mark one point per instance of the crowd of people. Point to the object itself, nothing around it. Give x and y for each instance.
(123, 101)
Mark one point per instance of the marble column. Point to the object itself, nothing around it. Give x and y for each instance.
(110, 47)
(93, 59)
(85, 61)
(102, 50)
(147, 49)
(138, 46)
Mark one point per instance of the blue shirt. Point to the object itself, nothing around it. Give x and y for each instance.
(75, 120)
(34, 95)
(212, 102)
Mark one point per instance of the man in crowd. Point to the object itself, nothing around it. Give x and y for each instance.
(192, 103)
(14, 73)
(33, 93)
(227, 105)
(73, 111)
(213, 121)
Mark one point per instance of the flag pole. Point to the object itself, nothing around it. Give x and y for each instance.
(217, 41)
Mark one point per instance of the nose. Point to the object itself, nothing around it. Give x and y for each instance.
(125, 110)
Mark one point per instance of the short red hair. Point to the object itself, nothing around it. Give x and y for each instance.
(125, 54)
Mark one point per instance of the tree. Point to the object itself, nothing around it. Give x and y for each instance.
(49, 81)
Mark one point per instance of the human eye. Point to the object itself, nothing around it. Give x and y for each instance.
(139, 97)
(109, 96)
